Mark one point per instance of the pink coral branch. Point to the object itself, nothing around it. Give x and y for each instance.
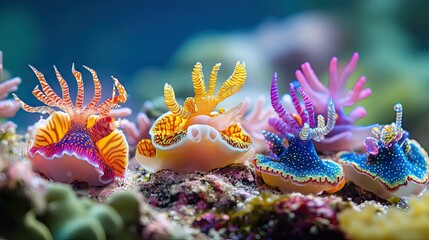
(358, 93)
(135, 133)
(313, 81)
(256, 121)
(8, 86)
(333, 79)
(348, 70)
(337, 84)
(8, 108)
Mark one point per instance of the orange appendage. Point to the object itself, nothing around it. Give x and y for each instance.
(236, 137)
(146, 148)
(51, 99)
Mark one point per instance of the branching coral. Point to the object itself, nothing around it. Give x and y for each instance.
(256, 120)
(135, 133)
(8, 108)
(195, 137)
(345, 135)
(393, 165)
(295, 165)
(75, 144)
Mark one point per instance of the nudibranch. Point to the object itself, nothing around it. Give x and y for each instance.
(346, 135)
(294, 165)
(195, 137)
(77, 144)
(394, 165)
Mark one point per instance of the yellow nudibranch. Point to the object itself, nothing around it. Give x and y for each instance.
(196, 137)
(77, 144)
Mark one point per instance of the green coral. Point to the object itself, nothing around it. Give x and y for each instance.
(68, 217)
(17, 219)
(127, 206)
(372, 222)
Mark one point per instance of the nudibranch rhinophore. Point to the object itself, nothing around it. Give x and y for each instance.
(294, 165)
(77, 144)
(394, 165)
(195, 137)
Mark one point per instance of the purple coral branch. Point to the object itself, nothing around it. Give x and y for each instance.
(336, 89)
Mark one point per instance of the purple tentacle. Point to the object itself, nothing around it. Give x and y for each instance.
(280, 126)
(309, 108)
(295, 100)
(275, 98)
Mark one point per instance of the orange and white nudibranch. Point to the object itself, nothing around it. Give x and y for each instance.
(195, 137)
(77, 144)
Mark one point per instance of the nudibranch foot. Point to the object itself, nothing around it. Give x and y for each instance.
(392, 172)
(75, 144)
(196, 137)
(297, 168)
(393, 165)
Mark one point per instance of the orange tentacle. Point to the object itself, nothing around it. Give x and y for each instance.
(80, 96)
(97, 89)
(46, 88)
(42, 97)
(28, 108)
(64, 89)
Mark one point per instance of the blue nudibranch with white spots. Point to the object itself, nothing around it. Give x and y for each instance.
(294, 165)
(394, 165)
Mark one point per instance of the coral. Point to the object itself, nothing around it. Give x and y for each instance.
(345, 135)
(295, 165)
(255, 121)
(143, 222)
(394, 165)
(20, 197)
(75, 144)
(371, 222)
(8, 108)
(135, 133)
(181, 137)
(68, 217)
(278, 217)
(10, 144)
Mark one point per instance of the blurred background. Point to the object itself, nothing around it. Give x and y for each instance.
(147, 43)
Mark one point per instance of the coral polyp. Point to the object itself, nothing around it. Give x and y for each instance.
(196, 137)
(294, 165)
(394, 165)
(77, 144)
